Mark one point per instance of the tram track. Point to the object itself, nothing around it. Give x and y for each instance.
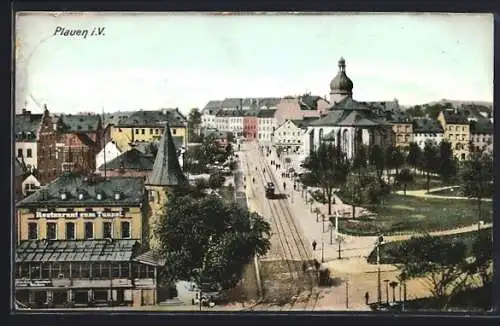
(302, 289)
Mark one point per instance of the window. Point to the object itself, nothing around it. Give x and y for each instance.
(51, 231)
(32, 231)
(28, 152)
(174, 131)
(70, 231)
(125, 230)
(107, 230)
(19, 152)
(143, 131)
(156, 131)
(89, 230)
(136, 131)
(151, 131)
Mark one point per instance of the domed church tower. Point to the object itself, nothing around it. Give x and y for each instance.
(340, 86)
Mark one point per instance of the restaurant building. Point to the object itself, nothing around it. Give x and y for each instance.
(79, 243)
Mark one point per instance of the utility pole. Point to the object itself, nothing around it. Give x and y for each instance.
(347, 294)
(380, 240)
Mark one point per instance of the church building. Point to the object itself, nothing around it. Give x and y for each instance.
(348, 123)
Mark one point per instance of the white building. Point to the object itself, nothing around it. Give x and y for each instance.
(266, 125)
(107, 154)
(30, 185)
(209, 112)
(230, 121)
(482, 135)
(425, 129)
(27, 126)
(289, 135)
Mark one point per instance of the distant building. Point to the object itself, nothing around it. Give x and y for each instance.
(457, 131)
(132, 163)
(27, 126)
(146, 126)
(297, 108)
(19, 174)
(30, 185)
(209, 112)
(108, 153)
(290, 135)
(266, 125)
(251, 125)
(425, 129)
(481, 135)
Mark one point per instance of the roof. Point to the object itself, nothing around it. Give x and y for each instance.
(150, 258)
(452, 117)
(130, 160)
(118, 250)
(231, 113)
(309, 102)
(26, 125)
(349, 113)
(116, 118)
(156, 118)
(302, 123)
(80, 122)
(481, 126)
(18, 168)
(427, 126)
(131, 190)
(269, 113)
(211, 105)
(166, 169)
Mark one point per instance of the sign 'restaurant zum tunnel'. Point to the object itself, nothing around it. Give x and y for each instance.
(91, 214)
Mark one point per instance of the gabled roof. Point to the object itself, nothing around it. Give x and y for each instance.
(452, 117)
(155, 119)
(117, 250)
(130, 160)
(80, 123)
(302, 123)
(213, 105)
(116, 118)
(309, 102)
(230, 113)
(427, 126)
(166, 169)
(131, 190)
(349, 113)
(26, 126)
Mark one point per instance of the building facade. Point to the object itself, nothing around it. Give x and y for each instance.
(456, 131)
(426, 129)
(289, 135)
(301, 107)
(146, 126)
(266, 125)
(481, 135)
(132, 163)
(108, 153)
(27, 127)
(251, 125)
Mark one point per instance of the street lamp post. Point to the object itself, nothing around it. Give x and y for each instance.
(386, 291)
(379, 241)
(322, 251)
(347, 293)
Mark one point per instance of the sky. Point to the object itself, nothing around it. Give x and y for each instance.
(163, 60)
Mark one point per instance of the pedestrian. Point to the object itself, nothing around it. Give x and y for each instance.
(253, 180)
(314, 245)
(284, 185)
(367, 298)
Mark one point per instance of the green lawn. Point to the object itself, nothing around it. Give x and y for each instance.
(401, 214)
(391, 251)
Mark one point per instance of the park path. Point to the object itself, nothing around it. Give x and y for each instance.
(424, 194)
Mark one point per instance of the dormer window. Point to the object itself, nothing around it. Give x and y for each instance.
(80, 196)
(64, 196)
(99, 196)
(117, 196)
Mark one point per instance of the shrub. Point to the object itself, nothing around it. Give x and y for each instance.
(216, 180)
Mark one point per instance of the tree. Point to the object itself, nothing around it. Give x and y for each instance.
(442, 263)
(317, 211)
(209, 241)
(394, 159)
(377, 160)
(330, 167)
(194, 123)
(216, 180)
(353, 192)
(429, 159)
(447, 167)
(360, 160)
(482, 250)
(414, 155)
(477, 178)
(404, 177)
(230, 137)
